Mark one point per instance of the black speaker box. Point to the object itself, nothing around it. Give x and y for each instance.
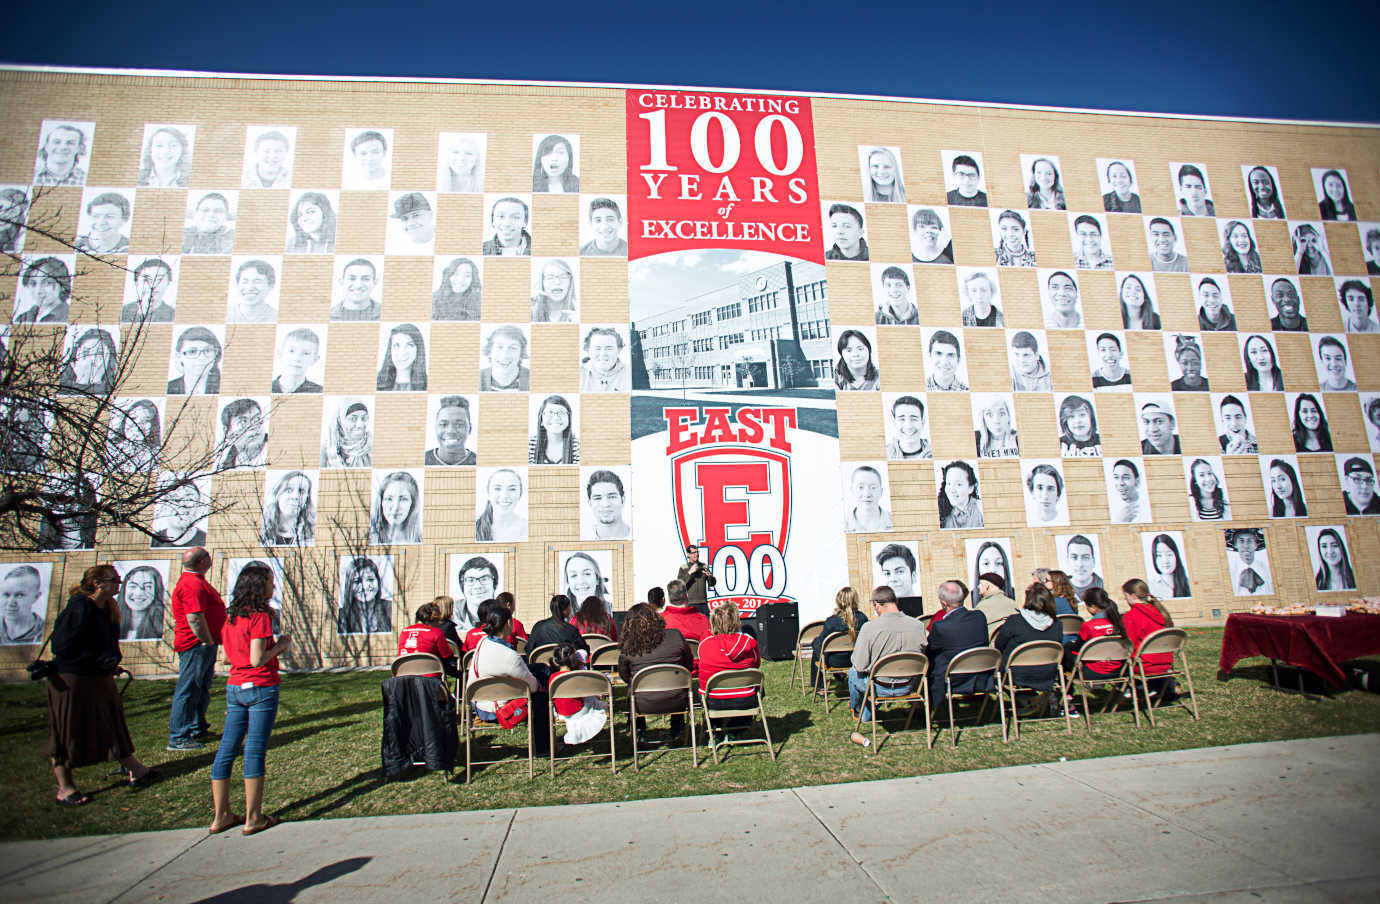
(775, 627)
(914, 606)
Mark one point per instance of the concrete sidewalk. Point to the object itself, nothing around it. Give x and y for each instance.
(1288, 821)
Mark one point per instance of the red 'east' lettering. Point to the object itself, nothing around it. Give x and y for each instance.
(719, 424)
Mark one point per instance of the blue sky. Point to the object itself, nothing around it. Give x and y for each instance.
(1312, 60)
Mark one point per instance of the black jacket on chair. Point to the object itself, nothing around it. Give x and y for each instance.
(959, 630)
(418, 725)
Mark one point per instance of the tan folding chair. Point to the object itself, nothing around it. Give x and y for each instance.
(520, 646)
(994, 627)
(577, 686)
(895, 668)
(663, 678)
(417, 664)
(1070, 624)
(1035, 653)
(1173, 641)
(694, 646)
(804, 652)
(464, 676)
(596, 640)
(1111, 648)
(605, 659)
(733, 680)
(496, 690)
(458, 656)
(974, 662)
(838, 642)
(542, 654)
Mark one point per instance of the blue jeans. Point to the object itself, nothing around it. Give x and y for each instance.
(192, 696)
(249, 715)
(857, 691)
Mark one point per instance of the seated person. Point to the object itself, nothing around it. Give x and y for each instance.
(1105, 621)
(992, 600)
(593, 618)
(1033, 621)
(557, 628)
(426, 636)
(1144, 616)
(679, 614)
(845, 617)
(647, 641)
(959, 629)
(583, 717)
(728, 649)
(495, 657)
(891, 631)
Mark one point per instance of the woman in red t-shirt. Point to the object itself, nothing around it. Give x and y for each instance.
(1105, 621)
(593, 618)
(426, 636)
(251, 699)
(1144, 617)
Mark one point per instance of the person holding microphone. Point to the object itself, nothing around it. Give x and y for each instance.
(696, 578)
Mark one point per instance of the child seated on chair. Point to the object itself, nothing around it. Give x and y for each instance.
(584, 717)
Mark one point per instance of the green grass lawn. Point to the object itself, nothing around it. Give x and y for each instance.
(324, 757)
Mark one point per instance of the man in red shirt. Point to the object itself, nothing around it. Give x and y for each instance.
(679, 614)
(198, 616)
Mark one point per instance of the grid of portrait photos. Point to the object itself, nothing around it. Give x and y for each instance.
(1107, 305)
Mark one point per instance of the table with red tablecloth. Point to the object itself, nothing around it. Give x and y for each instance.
(1313, 642)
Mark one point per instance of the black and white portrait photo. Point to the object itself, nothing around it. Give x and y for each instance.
(368, 159)
(1165, 243)
(989, 555)
(1329, 555)
(411, 223)
(89, 359)
(395, 508)
(882, 179)
(1260, 361)
(1249, 562)
(1128, 500)
(1283, 488)
(1213, 294)
(1092, 249)
(194, 368)
(587, 573)
(1262, 190)
(150, 294)
(895, 564)
(103, 226)
(1370, 414)
(866, 496)
(1333, 191)
(931, 238)
(1159, 427)
(289, 508)
(254, 289)
(182, 512)
(242, 432)
(365, 603)
(946, 369)
(1059, 298)
(1116, 178)
(30, 432)
(503, 358)
(457, 288)
(965, 181)
(312, 221)
(604, 353)
(1028, 354)
(1207, 488)
(507, 225)
(14, 213)
(1284, 304)
(979, 294)
(1044, 189)
(135, 438)
(1080, 557)
(347, 432)
(453, 425)
(893, 296)
(1183, 354)
(500, 505)
(472, 579)
(994, 425)
(1166, 564)
(1357, 300)
(555, 289)
(460, 162)
(402, 357)
(960, 496)
(1240, 253)
(23, 601)
(1311, 254)
(1333, 361)
(1135, 291)
(844, 232)
(603, 230)
(143, 598)
(1309, 423)
(1014, 246)
(268, 156)
(907, 426)
(299, 365)
(45, 288)
(553, 426)
(59, 530)
(209, 224)
(1046, 502)
(358, 287)
(1079, 436)
(555, 163)
(166, 157)
(1191, 188)
(1231, 415)
(64, 152)
(605, 502)
(856, 369)
(1357, 476)
(1370, 246)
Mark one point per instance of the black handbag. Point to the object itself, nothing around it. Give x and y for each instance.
(42, 668)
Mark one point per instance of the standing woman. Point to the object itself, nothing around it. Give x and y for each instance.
(1262, 367)
(1239, 253)
(551, 168)
(884, 177)
(1336, 203)
(404, 365)
(313, 225)
(251, 700)
(855, 370)
(555, 442)
(86, 716)
(1265, 201)
(1311, 433)
(1044, 191)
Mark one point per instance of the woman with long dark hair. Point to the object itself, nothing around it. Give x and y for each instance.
(1286, 493)
(584, 579)
(647, 642)
(1145, 615)
(1239, 252)
(404, 361)
(460, 295)
(142, 597)
(1104, 621)
(1169, 577)
(1262, 366)
(313, 225)
(364, 607)
(1206, 493)
(1334, 569)
(397, 511)
(1265, 200)
(1336, 203)
(553, 166)
(555, 442)
(1310, 429)
(1137, 307)
(593, 617)
(855, 370)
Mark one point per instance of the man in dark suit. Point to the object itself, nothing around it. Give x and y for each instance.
(952, 631)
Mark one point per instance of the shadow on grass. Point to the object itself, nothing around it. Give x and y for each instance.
(349, 709)
(185, 765)
(287, 892)
(334, 797)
